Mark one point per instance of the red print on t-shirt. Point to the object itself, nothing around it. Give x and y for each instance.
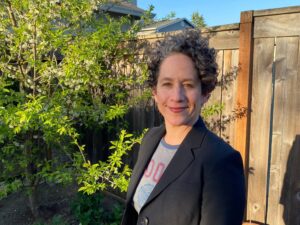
(154, 170)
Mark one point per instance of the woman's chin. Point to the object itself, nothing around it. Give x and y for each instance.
(179, 122)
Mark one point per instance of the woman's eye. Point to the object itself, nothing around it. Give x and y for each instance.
(166, 84)
(188, 85)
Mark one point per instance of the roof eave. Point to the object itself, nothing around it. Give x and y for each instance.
(121, 10)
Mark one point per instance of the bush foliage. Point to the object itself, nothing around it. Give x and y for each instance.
(63, 68)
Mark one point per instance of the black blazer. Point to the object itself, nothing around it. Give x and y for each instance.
(202, 185)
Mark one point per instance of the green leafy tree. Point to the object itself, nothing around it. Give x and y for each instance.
(150, 18)
(198, 20)
(111, 173)
(63, 67)
(169, 16)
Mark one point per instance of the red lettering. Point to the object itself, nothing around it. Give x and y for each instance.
(158, 172)
(149, 169)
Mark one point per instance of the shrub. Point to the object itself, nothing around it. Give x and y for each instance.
(91, 210)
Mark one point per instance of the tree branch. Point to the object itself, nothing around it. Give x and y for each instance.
(15, 24)
(34, 57)
(11, 14)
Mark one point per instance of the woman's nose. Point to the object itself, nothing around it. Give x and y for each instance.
(178, 93)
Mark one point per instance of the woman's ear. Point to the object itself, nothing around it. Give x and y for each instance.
(154, 93)
(205, 98)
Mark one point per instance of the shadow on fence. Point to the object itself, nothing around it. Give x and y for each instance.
(290, 193)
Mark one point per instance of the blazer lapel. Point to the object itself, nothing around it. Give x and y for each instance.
(146, 151)
(182, 159)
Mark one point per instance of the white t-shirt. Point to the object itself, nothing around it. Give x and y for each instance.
(155, 169)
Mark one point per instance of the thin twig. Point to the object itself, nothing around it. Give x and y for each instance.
(34, 58)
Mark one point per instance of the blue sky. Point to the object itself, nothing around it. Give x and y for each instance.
(215, 12)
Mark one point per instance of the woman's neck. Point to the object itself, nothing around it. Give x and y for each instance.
(176, 134)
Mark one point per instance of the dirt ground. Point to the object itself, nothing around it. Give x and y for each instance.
(54, 200)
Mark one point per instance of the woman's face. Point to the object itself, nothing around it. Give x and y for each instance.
(178, 93)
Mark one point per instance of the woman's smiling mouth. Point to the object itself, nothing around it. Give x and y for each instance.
(177, 109)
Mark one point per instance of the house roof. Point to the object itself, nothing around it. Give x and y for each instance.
(123, 7)
(157, 26)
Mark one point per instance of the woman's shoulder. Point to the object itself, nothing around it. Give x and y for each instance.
(216, 143)
(218, 157)
(216, 149)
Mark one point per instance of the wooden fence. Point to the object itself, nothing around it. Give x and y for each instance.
(272, 147)
(265, 48)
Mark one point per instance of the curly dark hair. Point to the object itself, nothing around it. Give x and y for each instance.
(191, 43)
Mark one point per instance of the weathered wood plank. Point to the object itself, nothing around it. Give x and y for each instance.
(215, 97)
(223, 39)
(282, 136)
(260, 125)
(233, 26)
(229, 92)
(290, 193)
(276, 11)
(295, 152)
(290, 156)
(277, 25)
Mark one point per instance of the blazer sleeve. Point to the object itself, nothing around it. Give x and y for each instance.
(223, 200)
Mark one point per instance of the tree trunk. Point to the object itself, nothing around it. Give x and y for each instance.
(33, 201)
(31, 180)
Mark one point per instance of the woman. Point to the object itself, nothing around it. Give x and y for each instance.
(185, 174)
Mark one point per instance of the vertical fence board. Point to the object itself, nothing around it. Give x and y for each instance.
(291, 121)
(229, 92)
(215, 97)
(283, 132)
(294, 207)
(290, 152)
(260, 125)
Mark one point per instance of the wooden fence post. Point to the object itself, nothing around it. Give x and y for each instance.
(244, 80)
(244, 85)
